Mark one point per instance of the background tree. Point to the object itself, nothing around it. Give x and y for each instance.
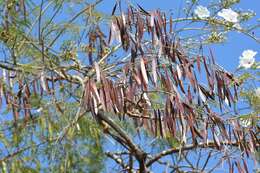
(132, 91)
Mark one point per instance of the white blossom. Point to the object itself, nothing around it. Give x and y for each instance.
(246, 62)
(257, 92)
(249, 53)
(202, 12)
(247, 59)
(229, 15)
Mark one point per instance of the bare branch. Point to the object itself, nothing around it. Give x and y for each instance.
(209, 144)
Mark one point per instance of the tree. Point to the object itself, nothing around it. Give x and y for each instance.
(134, 95)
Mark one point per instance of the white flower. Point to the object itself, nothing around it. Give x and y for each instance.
(229, 15)
(249, 53)
(246, 62)
(202, 12)
(247, 59)
(257, 92)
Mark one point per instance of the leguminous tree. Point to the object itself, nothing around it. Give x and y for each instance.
(129, 90)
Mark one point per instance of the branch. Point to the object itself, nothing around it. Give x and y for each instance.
(78, 116)
(134, 148)
(109, 53)
(209, 144)
(11, 155)
(8, 67)
(118, 161)
(137, 152)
